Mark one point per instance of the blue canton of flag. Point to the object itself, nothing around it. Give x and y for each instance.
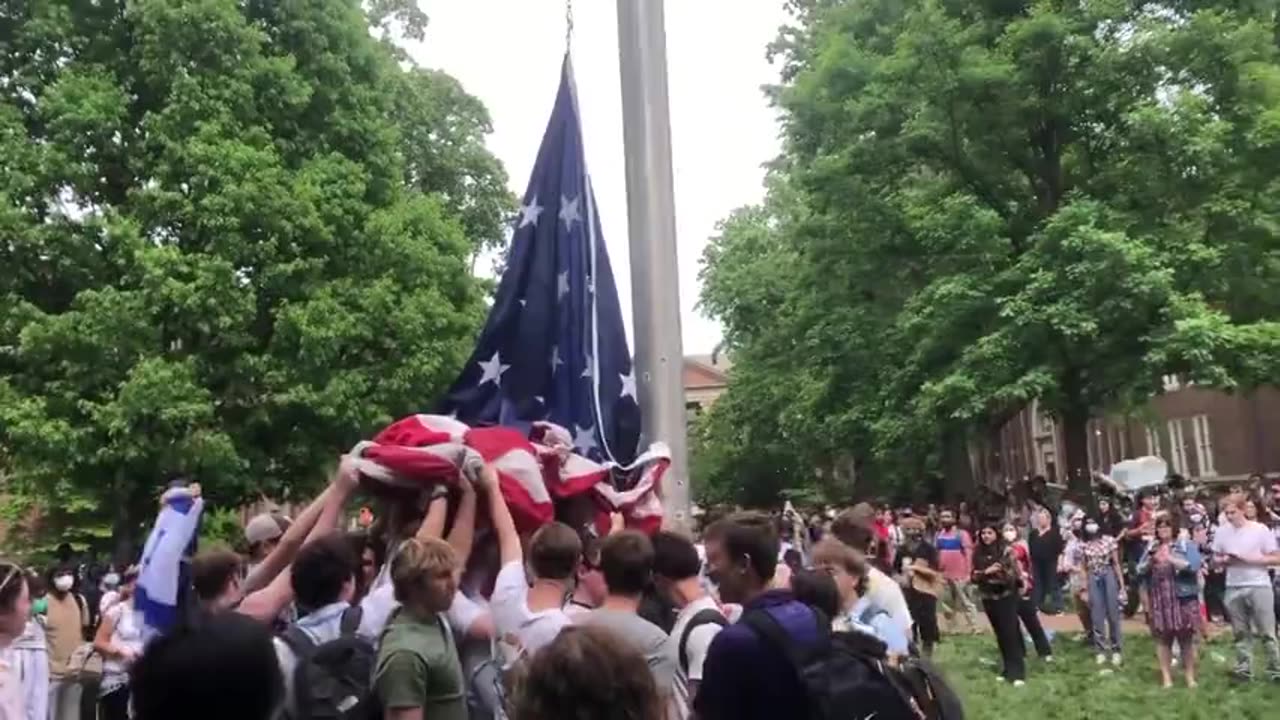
(553, 347)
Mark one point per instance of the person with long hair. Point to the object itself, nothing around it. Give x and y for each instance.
(1027, 611)
(119, 642)
(1099, 562)
(995, 572)
(1170, 567)
(15, 611)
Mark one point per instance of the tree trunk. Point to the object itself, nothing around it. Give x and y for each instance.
(1075, 435)
(956, 462)
(122, 545)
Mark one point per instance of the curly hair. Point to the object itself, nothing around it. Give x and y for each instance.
(587, 673)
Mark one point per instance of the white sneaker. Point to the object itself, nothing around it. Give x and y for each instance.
(1102, 658)
(1048, 658)
(1018, 683)
(1116, 659)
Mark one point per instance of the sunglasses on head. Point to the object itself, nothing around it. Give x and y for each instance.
(13, 572)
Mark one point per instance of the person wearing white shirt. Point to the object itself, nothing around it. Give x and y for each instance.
(528, 616)
(676, 570)
(1247, 549)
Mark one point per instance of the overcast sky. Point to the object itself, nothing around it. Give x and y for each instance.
(508, 52)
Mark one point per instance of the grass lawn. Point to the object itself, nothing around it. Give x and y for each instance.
(1074, 688)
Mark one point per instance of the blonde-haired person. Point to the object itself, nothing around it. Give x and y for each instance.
(418, 673)
(858, 612)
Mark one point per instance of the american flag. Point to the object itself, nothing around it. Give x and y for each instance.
(551, 369)
(553, 347)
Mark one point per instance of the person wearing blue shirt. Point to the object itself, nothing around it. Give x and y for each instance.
(858, 612)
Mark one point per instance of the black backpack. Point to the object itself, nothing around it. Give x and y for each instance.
(333, 680)
(707, 616)
(847, 676)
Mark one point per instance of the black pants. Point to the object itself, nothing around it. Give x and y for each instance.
(1003, 614)
(1215, 589)
(1031, 621)
(924, 611)
(114, 705)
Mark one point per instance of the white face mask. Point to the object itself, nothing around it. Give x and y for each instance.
(1091, 528)
(1010, 535)
(63, 583)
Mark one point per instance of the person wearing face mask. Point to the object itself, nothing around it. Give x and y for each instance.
(1027, 611)
(66, 622)
(119, 642)
(995, 572)
(1099, 563)
(923, 581)
(1075, 581)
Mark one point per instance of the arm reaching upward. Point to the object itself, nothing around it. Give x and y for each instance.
(500, 515)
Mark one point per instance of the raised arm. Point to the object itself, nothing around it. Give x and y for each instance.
(437, 511)
(265, 604)
(500, 515)
(292, 540)
(463, 531)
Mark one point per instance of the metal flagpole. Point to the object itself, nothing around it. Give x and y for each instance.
(651, 217)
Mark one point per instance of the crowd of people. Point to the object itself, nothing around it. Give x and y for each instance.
(444, 608)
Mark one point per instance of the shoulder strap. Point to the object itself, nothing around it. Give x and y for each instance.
(774, 635)
(298, 641)
(706, 616)
(349, 623)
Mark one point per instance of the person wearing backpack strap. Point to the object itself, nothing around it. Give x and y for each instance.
(326, 657)
(418, 673)
(677, 576)
(744, 677)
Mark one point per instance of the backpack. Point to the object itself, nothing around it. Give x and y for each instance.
(708, 616)
(847, 675)
(333, 680)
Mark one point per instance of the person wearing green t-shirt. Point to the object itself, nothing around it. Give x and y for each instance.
(418, 674)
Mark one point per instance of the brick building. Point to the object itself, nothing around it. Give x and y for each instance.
(705, 379)
(1204, 435)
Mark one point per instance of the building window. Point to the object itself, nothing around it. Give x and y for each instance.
(1153, 442)
(1204, 445)
(1178, 448)
(1171, 383)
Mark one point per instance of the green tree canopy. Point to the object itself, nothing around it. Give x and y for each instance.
(1007, 200)
(236, 238)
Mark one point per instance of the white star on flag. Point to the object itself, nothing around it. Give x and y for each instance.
(529, 213)
(493, 370)
(569, 211)
(628, 384)
(584, 438)
(562, 284)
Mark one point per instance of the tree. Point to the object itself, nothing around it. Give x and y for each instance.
(220, 257)
(1023, 200)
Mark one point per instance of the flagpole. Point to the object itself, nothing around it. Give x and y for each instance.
(651, 221)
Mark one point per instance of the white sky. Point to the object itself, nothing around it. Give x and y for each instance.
(508, 52)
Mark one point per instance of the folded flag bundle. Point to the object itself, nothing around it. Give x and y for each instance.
(534, 471)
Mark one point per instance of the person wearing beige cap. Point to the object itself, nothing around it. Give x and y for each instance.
(263, 533)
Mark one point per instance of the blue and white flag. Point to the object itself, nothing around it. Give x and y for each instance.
(553, 348)
(163, 573)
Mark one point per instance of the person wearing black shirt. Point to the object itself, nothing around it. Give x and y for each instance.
(1046, 545)
(917, 562)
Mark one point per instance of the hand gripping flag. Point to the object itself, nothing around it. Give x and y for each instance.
(163, 572)
(422, 450)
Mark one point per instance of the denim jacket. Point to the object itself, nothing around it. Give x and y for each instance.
(1187, 580)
